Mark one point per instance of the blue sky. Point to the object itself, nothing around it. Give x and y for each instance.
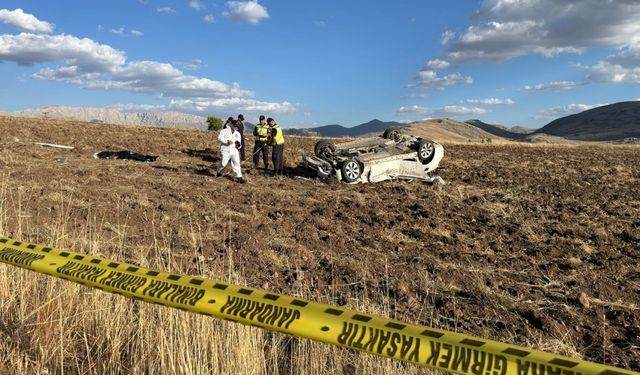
(308, 63)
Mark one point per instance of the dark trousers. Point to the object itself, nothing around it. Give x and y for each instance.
(278, 158)
(242, 155)
(261, 148)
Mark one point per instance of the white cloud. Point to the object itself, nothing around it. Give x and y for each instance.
(430, 78)
(232, 104)
(446, 111)
(25, 21)
(119, 31)
(422, 95)
(98, 66)
(490, 101)
(85, 54)
(246, 11)
(554, 86)
(123, 32)
(209, 18)
(447, 36)
(197, 5)
(194, 64)
(623, 67)
(557, 112)
(92, 65)
(160, 78)
(436, 64)
(166, 10)
(504, 29)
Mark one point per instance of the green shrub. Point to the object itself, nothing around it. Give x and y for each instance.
(215, 123)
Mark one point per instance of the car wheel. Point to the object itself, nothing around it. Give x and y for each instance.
(425, 150)
(351, 170)
(325, 149)
(391, 133)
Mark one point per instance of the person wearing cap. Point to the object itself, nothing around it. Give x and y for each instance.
(277, 139)
(261, 133)
(227, 123)
(240, 122)
(230, 142)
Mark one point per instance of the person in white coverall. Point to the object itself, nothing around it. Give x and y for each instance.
(230, 142)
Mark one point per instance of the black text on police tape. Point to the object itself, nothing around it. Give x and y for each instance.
(133, 283)
(451, 357)
(380, 341)
(81, 271)
(533, 368)
(465, 360)
(265, 313)
(113, 279)
(20, 257)
(171, 292)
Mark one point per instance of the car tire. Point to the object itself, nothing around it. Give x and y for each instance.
(391, 133)
(325, 149)
(351, 170)
(425, 150)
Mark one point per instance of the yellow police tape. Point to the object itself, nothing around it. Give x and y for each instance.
(425, 346)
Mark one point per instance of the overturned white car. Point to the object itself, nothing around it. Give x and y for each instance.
(392, 156)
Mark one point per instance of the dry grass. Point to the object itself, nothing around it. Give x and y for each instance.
(51, 326)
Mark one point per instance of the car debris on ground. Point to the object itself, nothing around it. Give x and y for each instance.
(127, 155)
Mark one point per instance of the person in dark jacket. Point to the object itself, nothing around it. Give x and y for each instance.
(277, 139)
(261, 133)
(240, 127)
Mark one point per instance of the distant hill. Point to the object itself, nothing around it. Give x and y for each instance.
(448, 130)
(114, 116)
(373, 126)
(520, 129)
(541, 138)
(611, 122)
(499, 130)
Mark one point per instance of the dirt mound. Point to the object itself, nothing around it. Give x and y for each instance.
(450, 131)
(548, 139)
(537, 246)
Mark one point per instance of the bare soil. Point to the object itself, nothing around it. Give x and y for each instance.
(533, 245)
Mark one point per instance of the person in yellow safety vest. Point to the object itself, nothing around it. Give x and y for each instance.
(277, 140)
(261, 134)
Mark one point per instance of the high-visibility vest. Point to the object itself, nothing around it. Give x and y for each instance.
(262, 131)
(278, 139)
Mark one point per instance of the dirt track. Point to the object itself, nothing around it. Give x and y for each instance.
(538, 246)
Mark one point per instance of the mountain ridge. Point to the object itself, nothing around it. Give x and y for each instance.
(612, 122)
(172, 119)
(164, 119)
(336, 130)
(499, 130)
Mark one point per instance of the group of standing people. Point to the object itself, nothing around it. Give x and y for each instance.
(267, 135)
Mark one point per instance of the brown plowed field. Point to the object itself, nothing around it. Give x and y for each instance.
(532, 245)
